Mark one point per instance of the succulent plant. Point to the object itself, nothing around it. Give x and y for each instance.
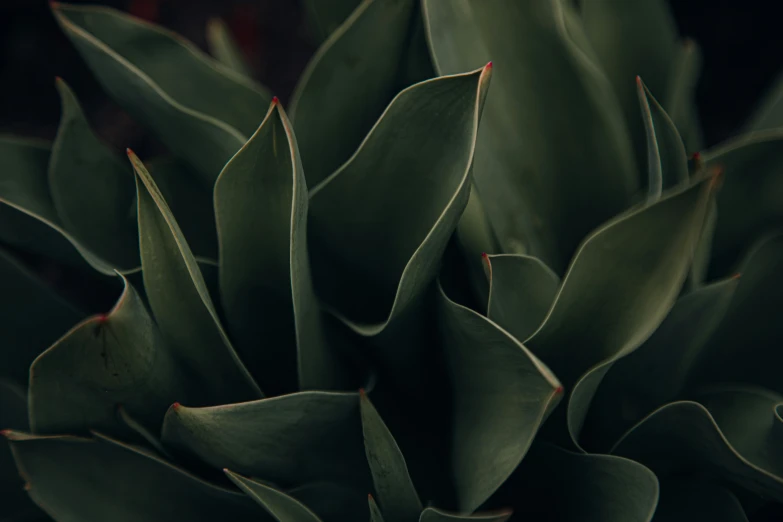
(303, 315)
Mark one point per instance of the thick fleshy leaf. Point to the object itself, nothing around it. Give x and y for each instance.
(620, 286)
(633, 39)
(555, 484)
(329, 122)
(687, 501)
(107, 361)
(266, 290)
(658, 371)
(225, 48)
(204, 120)
(181, 303)
(324, 17)
(683, 438)
(522, 289)
(34, 317)
(502, 396)
(84, 480)
(751, 200)
(92, 188)
(548, 181)
(28, 218)
(396, 493)
(376, 256)
(436, 515)
(282, 507)
(290, 440)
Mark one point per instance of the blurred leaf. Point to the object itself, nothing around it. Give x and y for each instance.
(92, 190)
(266, 290)
(323, 17)
(181, 303)
(329, 122)
(553, 157)
(281, 506)
(686, 501)
(291, 440)
(769, 114)
(393, 486)
(117, 359)
(502, 396)
(333, 502)
(225, 48)
(77, 480)
(203, 120)
(680, 101)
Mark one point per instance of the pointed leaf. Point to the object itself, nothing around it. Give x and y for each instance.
(621, 284)
(522, 289)
(281, 506)
(502, 396)
(548, 182)
(686, 501)
(376, 256)
(203, 120)
(375, 511)
(77, 480)
(92, 189)
(261, 214)
(393, 486)
(683, 438)
(435, 515)
(112, 360)
(290, 440)
(225, 48)
(181, 303)
(329, 123)
(34, 316)
(323, 18)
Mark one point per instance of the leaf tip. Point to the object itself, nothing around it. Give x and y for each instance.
(488, 66)
(559, 390)
(275, 100)
(638, 81)
(716, 177)
(736, 276)
(101, 318)
(5, 433)
(175, 406)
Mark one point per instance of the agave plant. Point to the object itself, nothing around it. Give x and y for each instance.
(304, 314)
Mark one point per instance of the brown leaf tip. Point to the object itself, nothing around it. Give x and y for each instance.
(638, 81)
(27, 486)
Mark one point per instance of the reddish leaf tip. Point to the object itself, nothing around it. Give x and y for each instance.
(369, 496)
(488, 66)
(5, 433)
(696, 156)
(275, 100)
(638, 81)
(736, 276)
(175, 406)
(129, 152)
(101, 318)
(558, 390)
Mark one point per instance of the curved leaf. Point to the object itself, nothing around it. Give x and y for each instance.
(281, 506)
(34, 317)
(77, 480)
(393, 485)
(683, 501)
(271, 310)
(522, 289)
(329, 123)
(290, 440)
(117, 359)
(224, 48)
(181, 303)
(376, 256)
(683, 437)
(620, 286)
(323, 18)
(502, 396)
(435, 515)
(537, 159)
(92, 190)
(204, 120)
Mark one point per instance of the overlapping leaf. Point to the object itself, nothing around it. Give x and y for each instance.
(282, 507)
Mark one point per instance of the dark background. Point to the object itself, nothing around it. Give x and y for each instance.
(740, 40)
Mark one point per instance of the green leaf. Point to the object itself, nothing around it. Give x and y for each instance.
(686, 501)
(633, 39)
(376, 256)
(27, 210)
(92, 189)
(522, 289)
(659, 370)
(435, 515)
(181, 303)
(34, 317)
(502, 396)
(375, 511)
(324, 17)
(225, 48)
(83, 480)
(555, 484)
(290, 440)
(281, 506)
(329, 122)
(751, 200)
(266, 290)
(620, 286)
(680, 101)
(204, 120)
(117, 359)
(683, 438)
(393, 486)
(549, 182)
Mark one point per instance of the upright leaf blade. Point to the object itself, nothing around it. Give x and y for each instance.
(181, 303)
